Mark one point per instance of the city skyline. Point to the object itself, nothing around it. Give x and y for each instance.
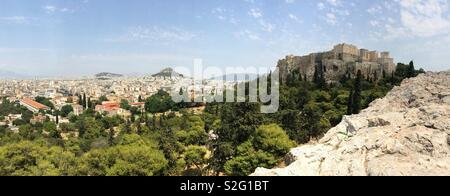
(83, 37)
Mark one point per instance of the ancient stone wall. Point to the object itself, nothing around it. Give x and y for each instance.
(343, 59)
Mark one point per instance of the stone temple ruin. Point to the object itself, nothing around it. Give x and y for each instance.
(344, 59)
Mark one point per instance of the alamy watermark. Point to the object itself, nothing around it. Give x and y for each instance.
(213, 84)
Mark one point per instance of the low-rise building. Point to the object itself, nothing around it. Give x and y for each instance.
(33, 105)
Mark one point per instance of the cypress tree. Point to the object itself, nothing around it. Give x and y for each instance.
(84, 100)
(161, 118)
(356, 105)
(350, 103)
(154, 121)
(111, 136)
(319, 78)
(411, 70)
(80, 100)
(139, 128)
(57, 118)
(133, 118)
(127, 127)
(316, 76)
(89, 103)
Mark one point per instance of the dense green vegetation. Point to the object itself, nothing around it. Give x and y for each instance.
(168, 139)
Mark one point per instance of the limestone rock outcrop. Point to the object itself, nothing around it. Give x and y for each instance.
(407, 133)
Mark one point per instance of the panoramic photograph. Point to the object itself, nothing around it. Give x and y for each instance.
(225, 88)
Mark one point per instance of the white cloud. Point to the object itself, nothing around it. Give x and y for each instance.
(320, 6)
(375, 10)
(247, 34)
(334, 2)
(289, 1)
(331, 18)
(155, 34)
(225, 15)
(50, 9)
(335, 11)
(255, 13)
(268, 27)
(15, 20)
(374, 23)
(293, 17)
(425, 18)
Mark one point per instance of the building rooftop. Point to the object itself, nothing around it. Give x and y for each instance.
(35, 104)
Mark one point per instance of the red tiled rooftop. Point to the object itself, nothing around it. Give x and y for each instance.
(35, 104)
(137, 104)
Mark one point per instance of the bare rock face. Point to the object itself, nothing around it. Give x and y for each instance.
(407, 133)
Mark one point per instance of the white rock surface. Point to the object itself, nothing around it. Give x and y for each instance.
(407, 133)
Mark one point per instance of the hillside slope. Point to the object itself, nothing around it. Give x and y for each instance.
(405, 133)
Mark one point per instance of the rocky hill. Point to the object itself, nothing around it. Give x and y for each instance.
(108, 75)
(168, 72)
(405, 133)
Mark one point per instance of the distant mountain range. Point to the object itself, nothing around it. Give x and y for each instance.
(168, 72)
(108, 75)
(237, 76)
(4, 74)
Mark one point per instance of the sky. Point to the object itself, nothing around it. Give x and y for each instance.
(82, 37)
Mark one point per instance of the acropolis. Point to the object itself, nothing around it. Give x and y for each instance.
(343, 59)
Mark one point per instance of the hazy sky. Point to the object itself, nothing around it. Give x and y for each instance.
(73, 37)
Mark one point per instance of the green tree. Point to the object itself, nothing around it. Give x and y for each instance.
(102, 99)
(30, 159)
(357, 99)
(160, 102)
(80, 100)
(52, 130)
(411, 72)
(111, 137)
(125, 104)
(66, 110)
(84, 100)
(266, 148)
(195, 160)
(45, 101)
(133, 156)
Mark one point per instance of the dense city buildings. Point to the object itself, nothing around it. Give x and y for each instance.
(104, 92)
